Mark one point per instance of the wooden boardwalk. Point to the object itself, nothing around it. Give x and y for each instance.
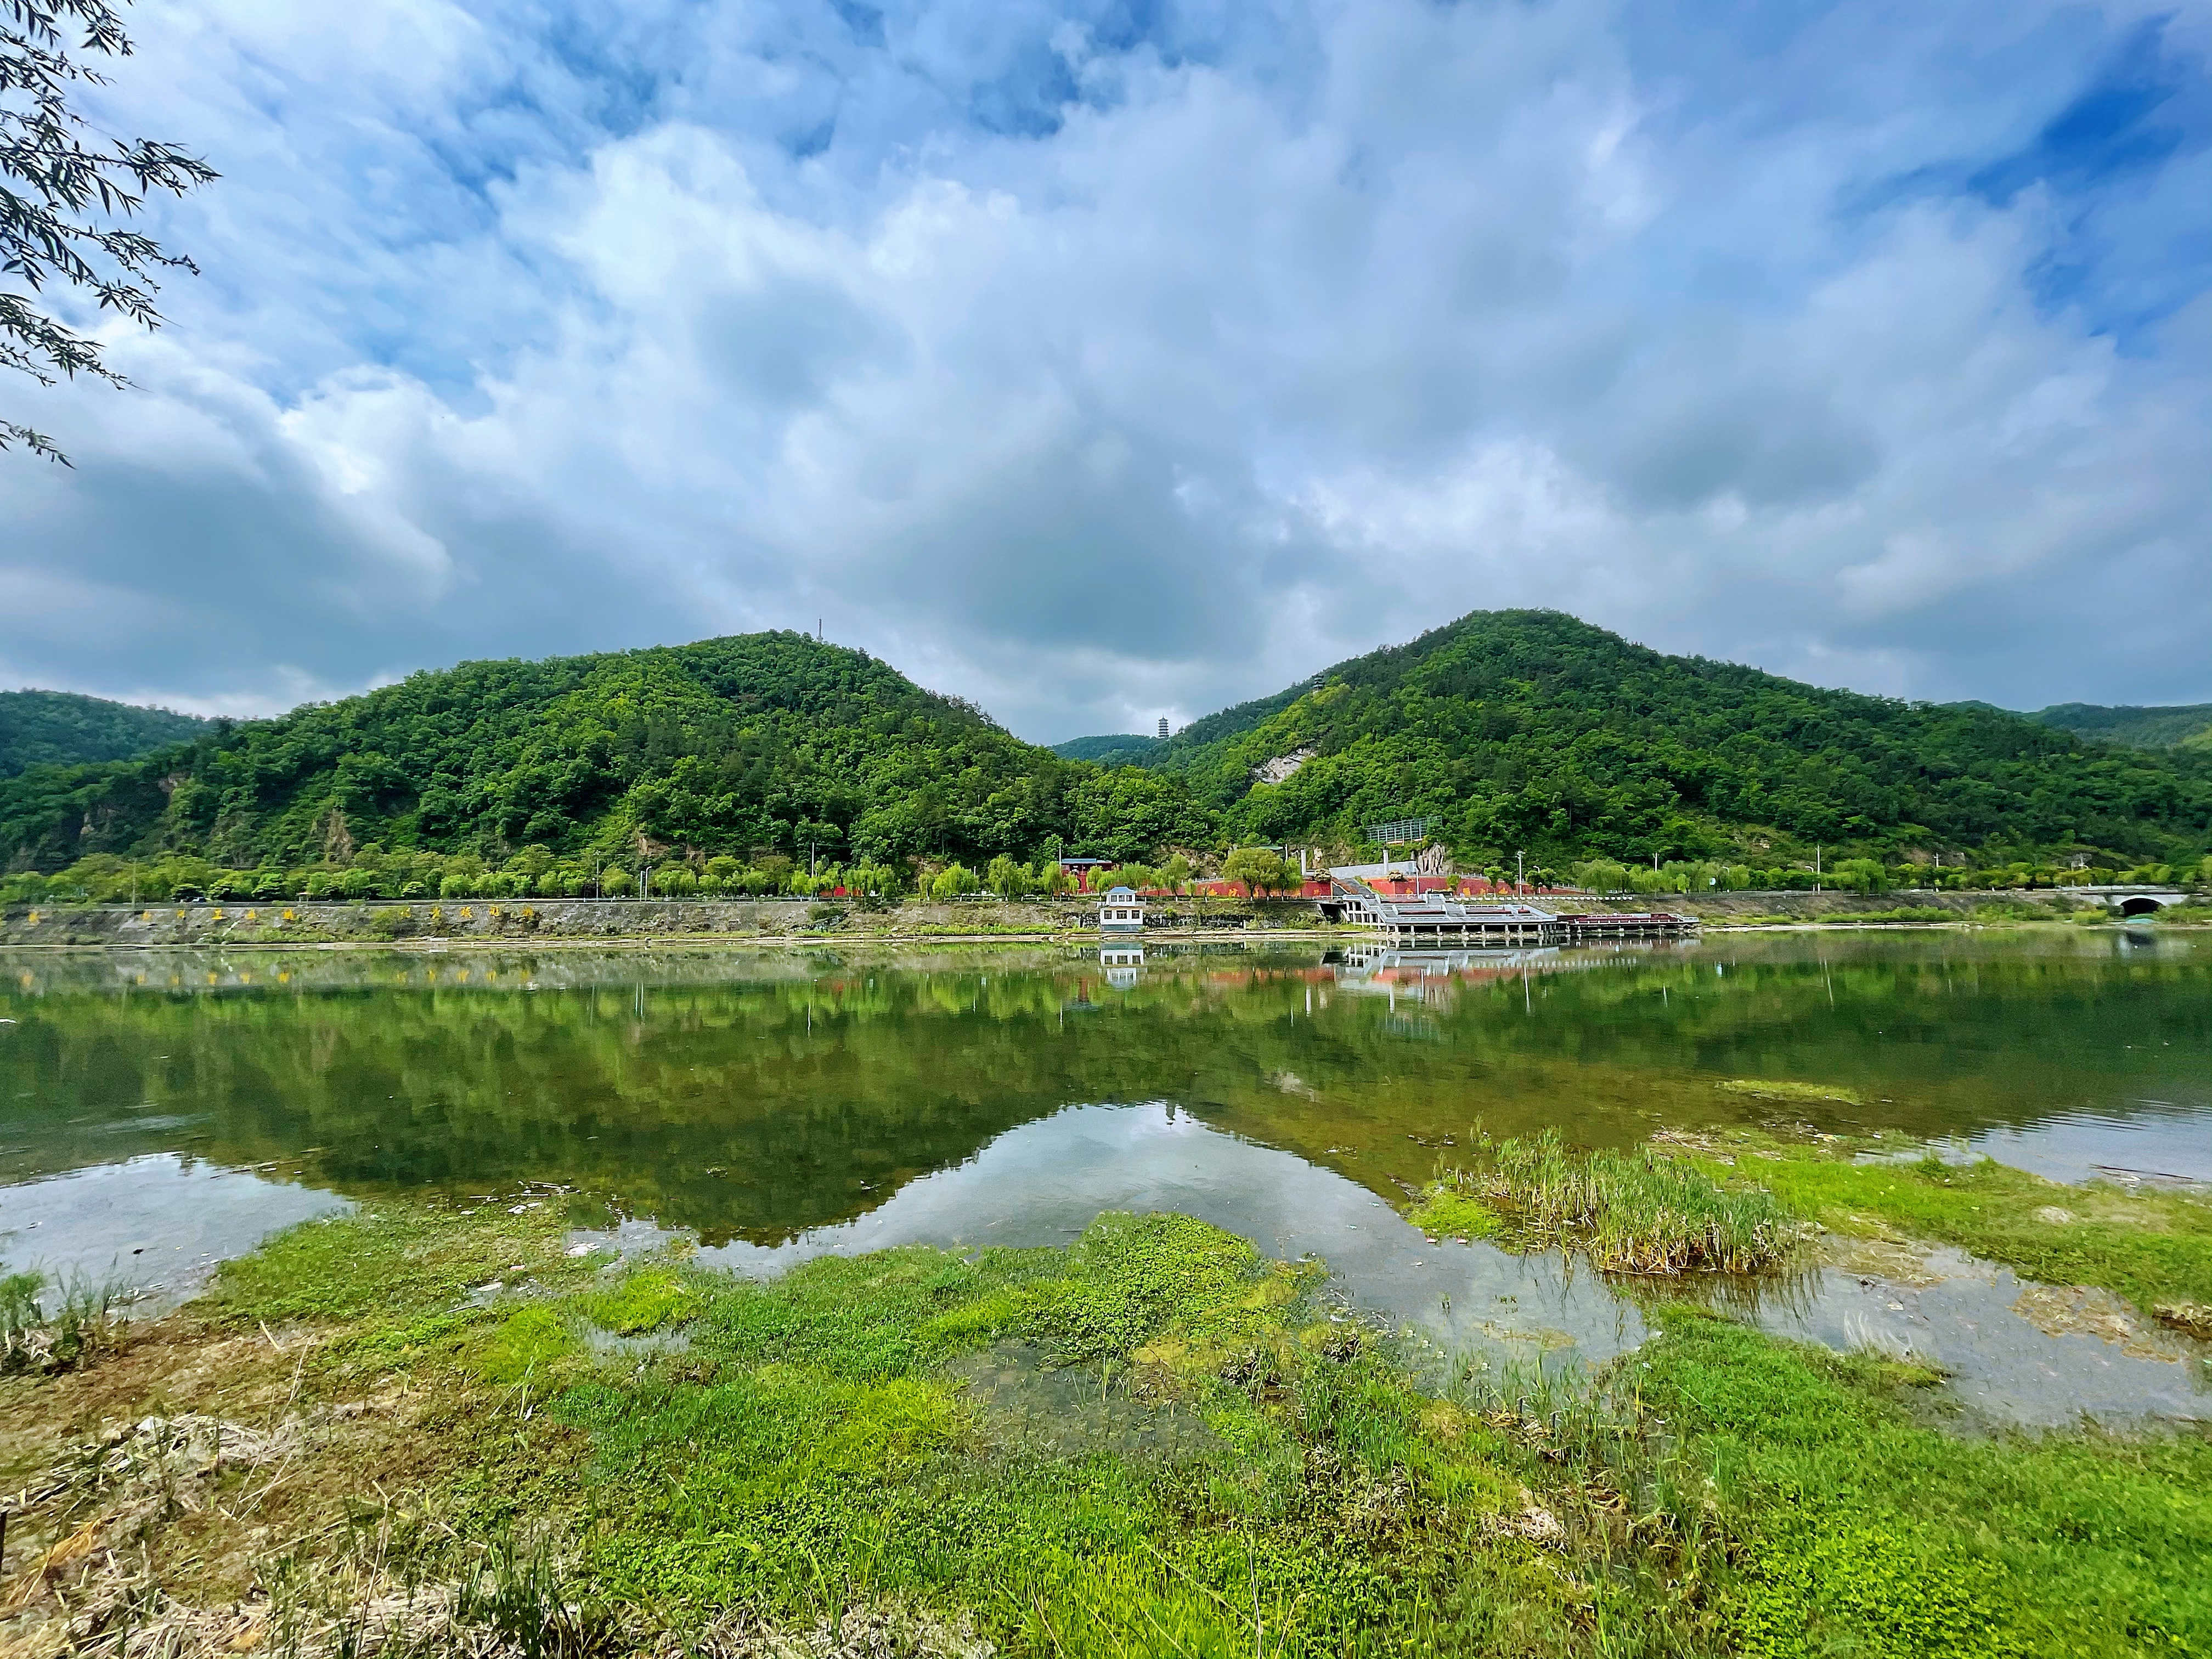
(1431, 922)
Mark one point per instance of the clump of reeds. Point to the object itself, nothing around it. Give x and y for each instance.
(35, 1336)
(1641, 1212)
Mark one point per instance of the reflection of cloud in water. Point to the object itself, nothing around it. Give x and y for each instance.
(155, 1225)
(1994, 1333)
(1044, 1182)
(2158, 1143)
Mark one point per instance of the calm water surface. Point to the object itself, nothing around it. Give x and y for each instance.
(159, 1111)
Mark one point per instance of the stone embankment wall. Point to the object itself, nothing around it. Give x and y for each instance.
(464, 920)
(1812, 906)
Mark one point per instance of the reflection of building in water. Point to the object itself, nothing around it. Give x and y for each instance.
(1432, 976)
(1121, 963)
(1372, 966)
(1384, 971)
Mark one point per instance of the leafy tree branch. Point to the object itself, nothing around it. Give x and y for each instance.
(62, 189)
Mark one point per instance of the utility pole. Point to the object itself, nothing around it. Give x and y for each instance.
(1518, 877)
(1816, 867)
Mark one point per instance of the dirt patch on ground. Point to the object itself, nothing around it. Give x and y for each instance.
(2194, 1318)
(153, 1488)
(146, 1368)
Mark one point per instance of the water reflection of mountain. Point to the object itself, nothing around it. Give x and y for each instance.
(753, 1095)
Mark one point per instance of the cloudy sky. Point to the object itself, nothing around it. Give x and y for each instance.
(1104, 359)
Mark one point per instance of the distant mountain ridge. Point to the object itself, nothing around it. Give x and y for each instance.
(2171, 727)
(65, 728)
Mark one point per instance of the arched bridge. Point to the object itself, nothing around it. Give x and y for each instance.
(2133, 901)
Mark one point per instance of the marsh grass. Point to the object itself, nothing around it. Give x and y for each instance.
(2151, 1246)
(1640, 1212)
(46, 1327)
(818, 1471)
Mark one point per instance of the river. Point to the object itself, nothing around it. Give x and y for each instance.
(165, 1110)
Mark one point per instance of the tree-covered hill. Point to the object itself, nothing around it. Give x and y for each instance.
(1527, 729)
(2184, 726)
(1510, 732)
(60, 728)
(758, 742)
(1115, 749)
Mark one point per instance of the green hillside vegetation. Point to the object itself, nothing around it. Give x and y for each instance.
(2185, 726)
(60, 728)
(762, 751)
(772, 763)
(1115, 748)
(1529, 730)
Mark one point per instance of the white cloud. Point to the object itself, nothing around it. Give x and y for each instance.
(528, 329)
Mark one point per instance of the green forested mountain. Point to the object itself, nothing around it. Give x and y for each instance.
(1117, 749)
(1510, 731)
(60, 728)
(762, 741)
(1525, 729)
(2186, 726)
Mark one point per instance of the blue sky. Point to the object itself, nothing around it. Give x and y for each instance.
(1100, 362)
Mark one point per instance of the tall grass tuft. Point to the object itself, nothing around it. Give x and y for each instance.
(1641, 1211)
(35, 1337)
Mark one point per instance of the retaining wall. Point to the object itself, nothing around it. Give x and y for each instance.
(457, 921)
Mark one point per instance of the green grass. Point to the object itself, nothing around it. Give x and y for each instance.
(393, 1283)
(1895, 913)
(821, 1447)
(2150, 1247)
(1718, 1491)
(1654, 1211)
(1643, 1211)
(1862, 1531)
(1444, 1211)
(388, 1259)
(1154, 1441)
(643, 1301)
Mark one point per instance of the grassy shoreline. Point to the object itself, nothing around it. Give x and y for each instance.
(1079, 937)
(433, 1428)
(1737, 1198)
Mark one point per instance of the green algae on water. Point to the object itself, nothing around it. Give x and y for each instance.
(1774, 1089)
